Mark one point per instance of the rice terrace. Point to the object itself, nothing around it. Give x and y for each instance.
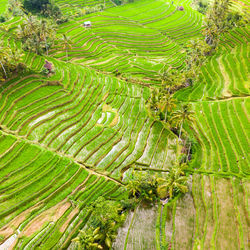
(124, 124)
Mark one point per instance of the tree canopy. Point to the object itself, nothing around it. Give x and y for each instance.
(35, 5)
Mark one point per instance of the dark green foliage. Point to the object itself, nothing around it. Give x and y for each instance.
(175, 183)
(105, 212)
(220, 19)
(128, 204)
(235, 19)
(102, 226)
(147, 187)
(54, 12)
(10, 61)
(161, 104)
(36, 34)
(142, 185)
(202, 7)
(35, 5)
(118, 2)
(2, 18)
(1, 238)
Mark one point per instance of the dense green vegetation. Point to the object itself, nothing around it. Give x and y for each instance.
(128, 134)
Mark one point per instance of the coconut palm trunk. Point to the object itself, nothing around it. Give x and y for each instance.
(189, 148)
(4, 70)
(46, 46)
(180, 130)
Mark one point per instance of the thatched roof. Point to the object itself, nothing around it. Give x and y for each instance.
(48, 65)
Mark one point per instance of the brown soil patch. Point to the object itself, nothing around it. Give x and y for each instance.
(71, 215)
(52, 214)
(10, 228)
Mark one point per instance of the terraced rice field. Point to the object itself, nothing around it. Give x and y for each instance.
(70, 8)
(3, 6)
(139, 39)
(226, 74)
(62, 139)
(214, 215)
(68, 139)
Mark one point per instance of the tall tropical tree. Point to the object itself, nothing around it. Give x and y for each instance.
(190, 141)
(197, 51)
(35, 34)
(102, 225)
(4, 57)
(216, 21)
(142, 186)
(182, 115)
(167, 104)
(67, 44)
(176, 182)
(47, 34)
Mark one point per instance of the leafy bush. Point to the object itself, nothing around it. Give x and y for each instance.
(102, 226)
(142, 185)
(10, 61)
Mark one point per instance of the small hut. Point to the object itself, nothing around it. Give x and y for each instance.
(48, 66)
(87, 24)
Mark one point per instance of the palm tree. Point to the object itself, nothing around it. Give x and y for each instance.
(167, 103)
(28, 33)
(188, 143)
(4, 57)
(47, 33)
(175, 183)
(15, 53)
(5, 73)
(44, 28)
(180, 116)
(67, 44)
(36, 34)
(88, 239)
(153, 103)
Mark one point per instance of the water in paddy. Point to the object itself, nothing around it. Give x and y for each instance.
(138, 231)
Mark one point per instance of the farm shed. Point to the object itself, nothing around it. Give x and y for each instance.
(87, 24)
